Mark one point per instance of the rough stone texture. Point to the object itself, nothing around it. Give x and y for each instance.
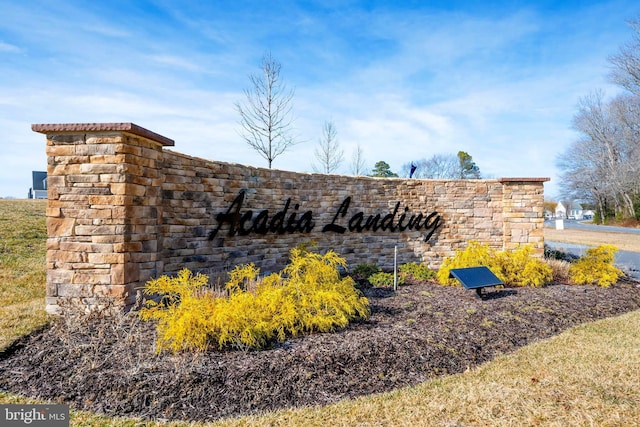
(123, 210)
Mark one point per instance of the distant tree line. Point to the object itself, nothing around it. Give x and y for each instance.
(444, 166)
(601, 167)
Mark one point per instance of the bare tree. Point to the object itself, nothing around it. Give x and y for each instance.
(358, 164)
(602, 165)
(328, 152)
(266, 115)
(626, 63)
(582, 179)
(439, 166)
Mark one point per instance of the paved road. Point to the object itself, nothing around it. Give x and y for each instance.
(570, 223)
(627, 261)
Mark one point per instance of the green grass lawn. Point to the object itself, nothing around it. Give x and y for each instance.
(23, 239)
(585, 376)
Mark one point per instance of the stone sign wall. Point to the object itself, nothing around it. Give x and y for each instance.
(123, 209)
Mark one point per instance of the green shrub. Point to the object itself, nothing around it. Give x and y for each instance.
(308, 295)
(514, 268)
(384, 280)
(363, 271)
(418, 271)
(596, 267)
(550, 253)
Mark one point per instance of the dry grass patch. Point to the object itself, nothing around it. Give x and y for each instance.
(623, 241)
(21, 319)
(560, 270)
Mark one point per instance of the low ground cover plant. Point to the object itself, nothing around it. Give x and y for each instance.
(364, 271)
(383, 280)
(417, 271)
(308, 295)
(414, 270)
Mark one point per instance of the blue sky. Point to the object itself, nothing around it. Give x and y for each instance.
(403, 79)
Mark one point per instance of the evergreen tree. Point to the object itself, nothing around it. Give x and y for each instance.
(468, 168)
(382, 169)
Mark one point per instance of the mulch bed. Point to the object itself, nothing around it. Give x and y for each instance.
(421, 331)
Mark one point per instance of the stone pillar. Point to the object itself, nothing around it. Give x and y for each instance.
(103, 213)
(523, 213)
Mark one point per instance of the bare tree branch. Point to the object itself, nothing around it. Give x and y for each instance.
(626, 63)
(328, 153)
(602, 165)
(357, 166)
(266, 118)
(439, 166)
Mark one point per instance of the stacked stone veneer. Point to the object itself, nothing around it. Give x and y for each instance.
(123, 209)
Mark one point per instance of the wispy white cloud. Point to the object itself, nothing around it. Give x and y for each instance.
(176, 61)
(9, 48)
(500, 82)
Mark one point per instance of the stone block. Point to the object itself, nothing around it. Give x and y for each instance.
(60, 227)
(71, 160)
(92, 230)
(64, 139)
(128, 189)
(105, 138)
(61, 150)
(54, 212)
(128, 149)
(57, 256)
(99, 168)
(91, 277)
(125, 273)
(86, 179)
(127, 247)
(118, 238)
(70, 290)
(86, 247)
(115, 292)
(107, 258)
(64, 169)
(113, 159)
(96, 150)
(107, 201)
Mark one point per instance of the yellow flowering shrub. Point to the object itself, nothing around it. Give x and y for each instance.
(520, 268)
(596, 267)
(182, 315)
(475, 254)
(514, 268)
(308, 295)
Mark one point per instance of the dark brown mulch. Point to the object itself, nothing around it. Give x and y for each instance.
(422, 330)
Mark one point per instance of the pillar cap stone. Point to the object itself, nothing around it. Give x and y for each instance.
(102, 127)
(503, 180)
